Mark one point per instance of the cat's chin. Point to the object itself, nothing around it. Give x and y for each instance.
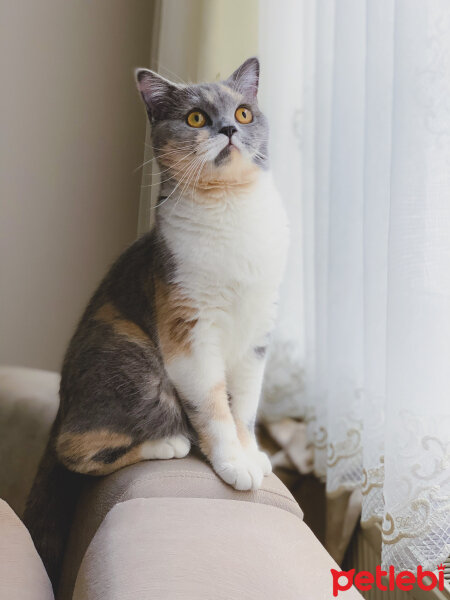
(235, 172)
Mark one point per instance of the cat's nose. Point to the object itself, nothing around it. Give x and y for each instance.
(228, 130)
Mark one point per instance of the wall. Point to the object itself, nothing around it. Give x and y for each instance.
(72, 133)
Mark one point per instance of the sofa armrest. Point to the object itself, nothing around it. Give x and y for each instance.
(203, 548)
(22, 574)
(190, 477)
(28, 406)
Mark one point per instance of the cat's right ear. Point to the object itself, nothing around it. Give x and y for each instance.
(155, 91)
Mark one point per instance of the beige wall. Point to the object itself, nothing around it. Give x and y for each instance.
(72, 132)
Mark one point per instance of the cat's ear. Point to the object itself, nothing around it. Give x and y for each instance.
(155, 90)
(246, 78)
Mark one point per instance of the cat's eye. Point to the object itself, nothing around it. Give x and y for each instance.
(243, 115)
(196, 119)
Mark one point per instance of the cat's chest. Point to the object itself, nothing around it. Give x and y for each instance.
(234, 245)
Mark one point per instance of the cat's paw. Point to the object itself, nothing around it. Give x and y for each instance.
(177, 446)
(240, 472)
(263, 461)
(180, 444)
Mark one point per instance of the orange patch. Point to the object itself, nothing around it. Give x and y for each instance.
(218, 407)
(75, 445)
(76, 451)
(175, 319)
(108, 313)
(243, 433)
(236, 175)
(215, 410)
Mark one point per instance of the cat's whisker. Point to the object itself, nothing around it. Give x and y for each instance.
(172, 74)
(185, 177)
(202, 154)
(170, 195)
(258, 153)
(193, 175)
(180, 195)
(199, 171)
(178, 145)
(158, 157)
(176, 163)
(181, 174)
(176, 172)
(198, 176)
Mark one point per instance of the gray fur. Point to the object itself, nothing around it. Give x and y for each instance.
(260, 351)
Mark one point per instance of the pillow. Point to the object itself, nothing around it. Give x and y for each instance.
(22, 574)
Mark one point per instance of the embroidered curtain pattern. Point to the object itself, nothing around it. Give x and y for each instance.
(371, 120)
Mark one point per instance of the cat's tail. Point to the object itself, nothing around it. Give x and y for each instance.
(49, 510)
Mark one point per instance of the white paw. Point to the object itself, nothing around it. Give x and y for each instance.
(180, 444)
(263, 460)
(240, 472)
(177, 446)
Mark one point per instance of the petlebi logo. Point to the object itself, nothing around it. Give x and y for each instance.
(387, 580)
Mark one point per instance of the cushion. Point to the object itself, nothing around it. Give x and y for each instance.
(28, 405)
(199, 548)
(187, 477)
(22, 574)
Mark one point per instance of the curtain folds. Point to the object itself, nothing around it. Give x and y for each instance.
(416, 523)
(283, 64)
(375, 189)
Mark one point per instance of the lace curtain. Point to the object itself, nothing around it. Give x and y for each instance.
(364, 146)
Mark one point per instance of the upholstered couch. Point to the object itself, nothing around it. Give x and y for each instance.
(160, 530)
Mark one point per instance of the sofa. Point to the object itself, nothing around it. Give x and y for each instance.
(164, 530)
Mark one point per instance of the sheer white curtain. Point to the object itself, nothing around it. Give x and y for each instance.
(283, 63)
(416, 525)
(375, 187)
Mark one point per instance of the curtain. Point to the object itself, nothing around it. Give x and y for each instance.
(370, 165)
(280, 96)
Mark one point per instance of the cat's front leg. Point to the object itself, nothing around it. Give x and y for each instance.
(244, 384)
(198, 374)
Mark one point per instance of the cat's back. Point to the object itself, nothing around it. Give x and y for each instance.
(120, 313)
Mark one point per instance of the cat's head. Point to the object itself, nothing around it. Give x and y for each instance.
(209, 130)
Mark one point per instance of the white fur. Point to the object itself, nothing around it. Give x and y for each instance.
(172, 447)
(230, 254)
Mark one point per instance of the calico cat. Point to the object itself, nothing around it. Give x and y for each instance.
(171, 348)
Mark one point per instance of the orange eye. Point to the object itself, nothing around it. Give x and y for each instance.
(196, 119)
(243, 115)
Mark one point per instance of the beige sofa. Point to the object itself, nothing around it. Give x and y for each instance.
(164, 530)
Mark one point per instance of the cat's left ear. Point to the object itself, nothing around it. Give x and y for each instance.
(246, 78)
(155, 90)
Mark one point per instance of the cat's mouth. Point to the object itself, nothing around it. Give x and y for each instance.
(225, 153)
(232, 145)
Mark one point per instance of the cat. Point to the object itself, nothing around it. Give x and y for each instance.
(171, 348)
